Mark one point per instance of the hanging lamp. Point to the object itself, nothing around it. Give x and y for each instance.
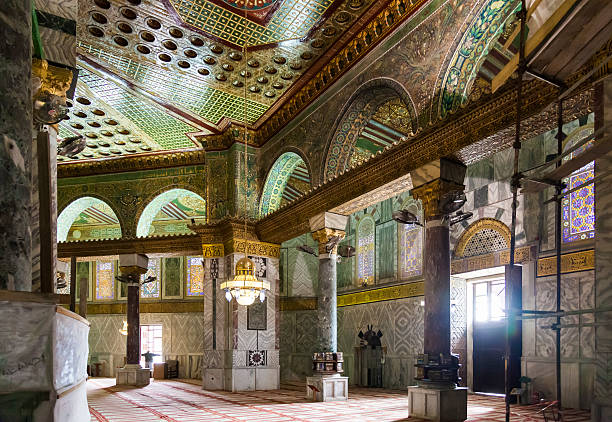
(245, 287)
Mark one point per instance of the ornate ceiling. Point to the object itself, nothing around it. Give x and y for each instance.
(157, 75)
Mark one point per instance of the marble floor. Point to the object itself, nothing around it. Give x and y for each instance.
(184, 400)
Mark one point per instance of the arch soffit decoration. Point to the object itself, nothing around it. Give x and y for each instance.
(356, 113)
(70, 211)
(276, 180)
(146, 213)
(475, 228)
(454, 85)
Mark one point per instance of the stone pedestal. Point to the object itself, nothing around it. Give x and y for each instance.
(132, 374)
(327, 388)
(443, 405)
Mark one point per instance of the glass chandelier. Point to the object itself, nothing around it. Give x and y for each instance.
(245, 287)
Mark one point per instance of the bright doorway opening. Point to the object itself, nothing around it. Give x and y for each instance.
(151, 342)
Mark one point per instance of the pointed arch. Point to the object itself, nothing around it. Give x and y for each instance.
(287, 179)
(172, 209)
(89, 214)
(358, 124)
(481, 237)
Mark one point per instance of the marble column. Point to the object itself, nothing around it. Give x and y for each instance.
(132, 267)
(15, 144)
(602, 403)
(436, 397)
(328, 231)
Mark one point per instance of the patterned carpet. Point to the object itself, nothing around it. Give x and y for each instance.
(183, 401)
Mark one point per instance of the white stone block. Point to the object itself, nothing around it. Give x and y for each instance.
(212, 379)
(267, 378)
(327, 388)
(133, 375)
(438, 405)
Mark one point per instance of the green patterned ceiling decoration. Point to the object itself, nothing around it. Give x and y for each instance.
(292, 20)
(209, 103)
(166, 130)
(107, 132)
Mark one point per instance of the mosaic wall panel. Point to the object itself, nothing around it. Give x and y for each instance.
(276, 181)
(195, 276)
(365, 251)
(105, 280)
(181, 337)
(152, 289)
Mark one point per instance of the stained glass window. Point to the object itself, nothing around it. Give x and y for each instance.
(578, 208)
(195, 276)
(365, 250)
(105, 280)
(411, 250)
(152, 289)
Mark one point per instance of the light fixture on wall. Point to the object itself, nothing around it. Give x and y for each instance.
(123, 330)
(245, 287)
(405, 217)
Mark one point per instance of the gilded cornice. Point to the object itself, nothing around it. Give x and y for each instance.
(298, 304)
(478, 120)
(387, 20)
(145, 307)
(570, 263)
(385, 293)
(491, 260)
(227, 236)
(174, 245)
(140, 162)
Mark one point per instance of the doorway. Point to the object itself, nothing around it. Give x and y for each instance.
(151, 341)
(489, 335)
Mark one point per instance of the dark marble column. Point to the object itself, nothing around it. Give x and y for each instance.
(133, 321)
(437, 288)
(15, 144)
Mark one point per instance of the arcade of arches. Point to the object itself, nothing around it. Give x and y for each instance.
(221, 210)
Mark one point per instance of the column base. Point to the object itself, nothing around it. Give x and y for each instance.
(442, 405)
(327, 388)
(241, 379)
(133, 374)
(601, 411)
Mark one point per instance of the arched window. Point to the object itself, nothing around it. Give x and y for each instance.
(171, 212)
(365, 250)
(87, 218)
(578, 208)
(411, 243)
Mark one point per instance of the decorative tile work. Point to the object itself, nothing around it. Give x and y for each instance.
(365, 251)
(195, 276)
(152, 289)
(167, 131)
(473, 49)
(210, 103)
(292, 20)
(276, 182)
(105, 280)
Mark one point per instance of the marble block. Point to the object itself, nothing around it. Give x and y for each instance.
(448, 405)
(327, 388)
(601, 411)
(133, 375)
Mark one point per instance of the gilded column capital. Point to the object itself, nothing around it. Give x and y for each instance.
(431, 193)
(50, 79)
(328, 240)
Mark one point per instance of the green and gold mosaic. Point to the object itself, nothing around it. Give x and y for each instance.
(292, 20)
(210, 103)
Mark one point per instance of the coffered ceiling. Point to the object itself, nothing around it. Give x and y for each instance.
(155, 75)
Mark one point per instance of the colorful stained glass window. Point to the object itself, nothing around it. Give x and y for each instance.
(411, 250)
(578, 208)
(152, 289)
(105, 280)
(365, 250)
(195, 276)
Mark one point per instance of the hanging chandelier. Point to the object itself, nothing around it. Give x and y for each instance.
(245, 287)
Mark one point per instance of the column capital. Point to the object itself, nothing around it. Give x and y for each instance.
(324, 236)
(431, 193)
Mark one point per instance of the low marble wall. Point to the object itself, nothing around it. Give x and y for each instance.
(401, 322)
(181, 337)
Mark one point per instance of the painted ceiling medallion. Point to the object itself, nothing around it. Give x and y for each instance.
(250, 4)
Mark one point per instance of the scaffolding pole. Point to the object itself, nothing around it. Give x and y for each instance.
(522, 15)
